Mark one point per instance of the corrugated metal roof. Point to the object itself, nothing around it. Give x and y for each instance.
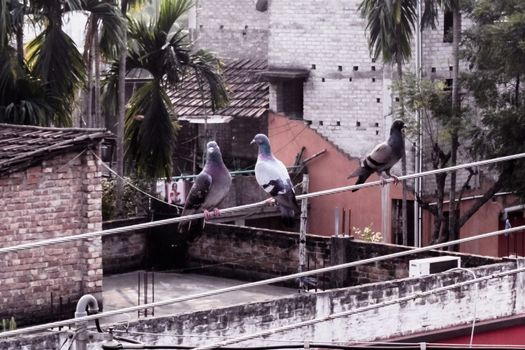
(249, 96)
(22, 146)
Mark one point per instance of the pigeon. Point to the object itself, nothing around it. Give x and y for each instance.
(272, 176)
(384, 156)
(209, 188)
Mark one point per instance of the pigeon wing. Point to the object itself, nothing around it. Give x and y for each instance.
(199, 191)
(272, 176)
(380, 156)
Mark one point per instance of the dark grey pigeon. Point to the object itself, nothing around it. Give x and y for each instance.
(384, 156)
(272, 176)
(209, 188)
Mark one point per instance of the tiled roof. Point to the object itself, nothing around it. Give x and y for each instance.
(23, 146)
(249, 95)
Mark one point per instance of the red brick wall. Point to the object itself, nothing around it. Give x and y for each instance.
(60, 197)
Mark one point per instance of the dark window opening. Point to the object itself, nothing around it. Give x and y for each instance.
(358, 123)
(290, 98)
(313, 66)
(373, 80)
(322, 79)
(340, 68)
(448, 84)
(356, 68)
(448, 23)
(349, 79)
(378, 100)
(373, 68)
(321, 123)
(433, 69)
(338, 123)
(397, 222)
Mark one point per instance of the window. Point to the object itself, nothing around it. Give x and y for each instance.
(448, 23)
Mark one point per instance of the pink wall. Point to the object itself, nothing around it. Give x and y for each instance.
(486, 219)
(327, 171)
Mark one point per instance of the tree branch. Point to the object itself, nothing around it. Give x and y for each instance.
(486, 197)
(466, 185)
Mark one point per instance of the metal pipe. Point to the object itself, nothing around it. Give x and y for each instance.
(86, 302)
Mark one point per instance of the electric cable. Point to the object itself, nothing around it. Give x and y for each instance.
(354, 311)
(150, 224)
(257, 283)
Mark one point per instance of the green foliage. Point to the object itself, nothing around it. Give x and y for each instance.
(390, 24)
(159, 45)
(41, 90)
(134, 203)
(150, 131)
(495, 48)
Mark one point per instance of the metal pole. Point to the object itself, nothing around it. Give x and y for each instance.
(419, 154)
(302, 231)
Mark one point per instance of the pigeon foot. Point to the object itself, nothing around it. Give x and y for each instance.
(270, 202)
(396, 179)
(207, 214)
(216, 212)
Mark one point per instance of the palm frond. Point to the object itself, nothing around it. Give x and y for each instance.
(150, 131)
(113, 25)
(170, 12)
(207, 69)
(53, 57)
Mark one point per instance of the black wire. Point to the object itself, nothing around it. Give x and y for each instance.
(97, 323)
(293, 346)
(328, 346)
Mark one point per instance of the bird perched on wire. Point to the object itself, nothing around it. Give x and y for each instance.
(272, 176)
(209, 188)
(384, 156)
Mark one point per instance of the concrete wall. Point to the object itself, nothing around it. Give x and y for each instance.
(252, 254)
(491, 299)
(231, 29)
(60, 197)
(125, 251)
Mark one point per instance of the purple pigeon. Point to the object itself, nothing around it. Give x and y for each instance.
(272, 176)
(210, 187)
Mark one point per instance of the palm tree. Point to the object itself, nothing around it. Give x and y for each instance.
(159, 46)
(390, 24)
(104, 35)
(53, 65)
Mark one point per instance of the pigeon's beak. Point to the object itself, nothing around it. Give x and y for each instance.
(210, 149)
(252, 142)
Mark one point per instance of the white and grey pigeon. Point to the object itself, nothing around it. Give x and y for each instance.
(272, 176)
(209, 188)
(384, 156)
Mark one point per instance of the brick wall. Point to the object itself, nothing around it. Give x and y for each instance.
(60, 197)
(253, 253)
(231, 29)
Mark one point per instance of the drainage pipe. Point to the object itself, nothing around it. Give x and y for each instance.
(86, 303)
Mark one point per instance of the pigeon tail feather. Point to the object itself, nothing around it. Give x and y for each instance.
(287, 216)
(363, 175)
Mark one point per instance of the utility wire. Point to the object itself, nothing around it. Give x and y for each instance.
(355, 311)
(258, 283)
(150, 224)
